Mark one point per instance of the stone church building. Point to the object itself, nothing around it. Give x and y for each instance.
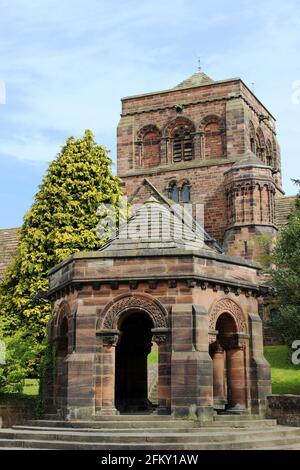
(193, 290)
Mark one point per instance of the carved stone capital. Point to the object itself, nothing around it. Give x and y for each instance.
(234, 341)
(159, 335)
(212, 336)
(216, 347)
(110, 340)
(109, 337)
(173, 283)
(133, 284)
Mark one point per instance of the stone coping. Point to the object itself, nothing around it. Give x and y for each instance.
(191, 279)
(155, 253)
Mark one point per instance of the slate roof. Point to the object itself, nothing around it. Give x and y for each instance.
(283, 208)
(157, 226)
(8, 247)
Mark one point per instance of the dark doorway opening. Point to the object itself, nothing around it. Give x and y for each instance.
(131, 387)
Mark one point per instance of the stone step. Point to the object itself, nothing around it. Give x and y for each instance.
(115, 424)
(172, 424)
(182, 437)
(235, 417)
(135, 417)
(132, 427)
(105, 431)
(243, 423)
(265, 443)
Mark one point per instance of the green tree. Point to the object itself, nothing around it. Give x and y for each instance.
(61, 221)
(286, 277)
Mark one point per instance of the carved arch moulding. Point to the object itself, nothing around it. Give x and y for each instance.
(61, 310)
(111, 314)
(233, 309)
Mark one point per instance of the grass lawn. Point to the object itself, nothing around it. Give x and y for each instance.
(285, 375)
(31, 387)
(153, 357)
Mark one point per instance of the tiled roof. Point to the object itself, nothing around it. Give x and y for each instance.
(8, 247)
(283, 208)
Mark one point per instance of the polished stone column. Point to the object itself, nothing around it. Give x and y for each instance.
(219, 374)
(236, 378)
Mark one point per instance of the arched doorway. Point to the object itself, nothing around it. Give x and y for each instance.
(229, 383)
(131, 380)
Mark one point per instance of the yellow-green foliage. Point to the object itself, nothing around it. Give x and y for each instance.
(61, 221)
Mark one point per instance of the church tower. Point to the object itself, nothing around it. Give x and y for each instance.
(206, 142)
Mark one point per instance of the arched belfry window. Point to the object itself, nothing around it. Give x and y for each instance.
(180, 134)
(182, 144)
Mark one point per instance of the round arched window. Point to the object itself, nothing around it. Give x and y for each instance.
(185, 193)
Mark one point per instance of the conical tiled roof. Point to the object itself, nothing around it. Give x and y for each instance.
(156, 226)
(197, 79)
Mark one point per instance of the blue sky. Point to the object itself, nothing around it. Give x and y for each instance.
(66, 63)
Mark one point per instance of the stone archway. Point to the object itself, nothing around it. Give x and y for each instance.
(125, 329)
(228, 333)
(131, 376)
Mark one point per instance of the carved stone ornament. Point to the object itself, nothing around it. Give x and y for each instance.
(227, 306)
(113, 311)
(110, 339)
(159, 335)
(159, 338)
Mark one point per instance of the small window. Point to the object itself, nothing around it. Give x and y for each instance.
(269, 154)
(185, 193)
(175, 193)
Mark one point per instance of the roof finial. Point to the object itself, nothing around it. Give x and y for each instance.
(199, 64)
